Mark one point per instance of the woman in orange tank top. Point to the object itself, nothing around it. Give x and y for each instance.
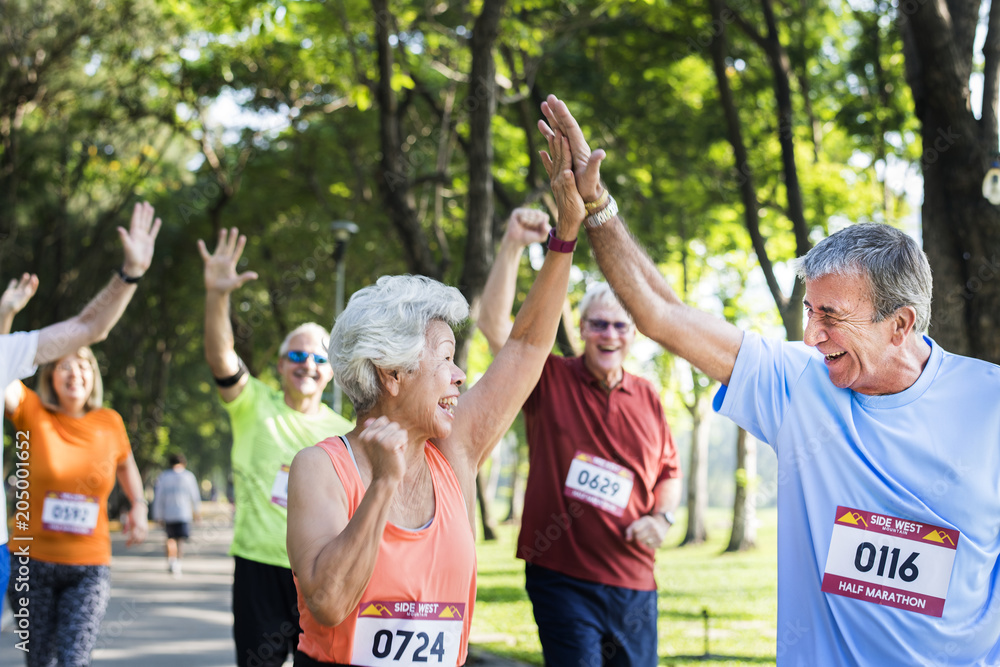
(380, 522)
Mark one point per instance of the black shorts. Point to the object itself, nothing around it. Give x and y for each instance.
(265, 614)
(178, 530)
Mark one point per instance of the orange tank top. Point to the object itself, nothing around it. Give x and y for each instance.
(417, 607)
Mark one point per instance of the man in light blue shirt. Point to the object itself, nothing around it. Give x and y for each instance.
(888, 446)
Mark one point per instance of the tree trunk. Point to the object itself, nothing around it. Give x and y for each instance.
(961, 229)
(481, 104)
(744, 535)
(393, 177)
(489, 523)
(697, 473)
(788, 307)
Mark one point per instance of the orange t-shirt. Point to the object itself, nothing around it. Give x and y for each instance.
(72, 466)
(418, 604)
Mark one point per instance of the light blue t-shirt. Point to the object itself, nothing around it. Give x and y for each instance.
(888, 507)
(17, 360)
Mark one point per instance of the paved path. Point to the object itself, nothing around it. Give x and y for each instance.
(157, 620)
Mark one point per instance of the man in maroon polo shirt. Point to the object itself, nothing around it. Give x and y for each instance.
(603, 482)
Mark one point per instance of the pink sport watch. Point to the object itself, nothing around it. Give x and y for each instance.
(558, 245)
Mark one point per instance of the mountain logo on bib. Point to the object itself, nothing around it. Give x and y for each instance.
(375, 609)
(450, 612)
(939, 537)
(853, 518)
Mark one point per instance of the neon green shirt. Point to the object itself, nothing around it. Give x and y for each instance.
(266, 436)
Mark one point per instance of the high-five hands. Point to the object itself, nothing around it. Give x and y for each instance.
(586, 164)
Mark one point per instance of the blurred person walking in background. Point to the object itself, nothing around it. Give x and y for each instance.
(176, 504)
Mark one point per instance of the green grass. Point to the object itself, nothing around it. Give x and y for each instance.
(739, 592)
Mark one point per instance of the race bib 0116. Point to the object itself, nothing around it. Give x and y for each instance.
(279, 490)
(890, 561)
(600, 483)
(404, 633)
(70, 513)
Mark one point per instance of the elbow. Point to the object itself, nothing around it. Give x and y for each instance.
(98, 336)
(324, 608)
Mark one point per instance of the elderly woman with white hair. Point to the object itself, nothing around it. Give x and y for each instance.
(381, 521)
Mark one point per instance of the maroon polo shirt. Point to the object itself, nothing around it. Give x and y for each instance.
(569, 412)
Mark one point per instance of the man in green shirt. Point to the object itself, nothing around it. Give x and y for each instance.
(269, 427)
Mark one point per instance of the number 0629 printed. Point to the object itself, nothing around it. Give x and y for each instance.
(600, 483)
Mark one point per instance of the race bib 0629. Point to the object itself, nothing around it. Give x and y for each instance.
(600, 483)
(396, 634)
(890, 561)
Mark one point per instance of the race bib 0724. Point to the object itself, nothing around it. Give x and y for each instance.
(890, 561)
(400, 633)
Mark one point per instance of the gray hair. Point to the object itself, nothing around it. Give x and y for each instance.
(894, 266)
(600, 294)
(384, 326)
(307, 328)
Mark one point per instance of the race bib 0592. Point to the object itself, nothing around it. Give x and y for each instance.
(70, 513)
(890, 561)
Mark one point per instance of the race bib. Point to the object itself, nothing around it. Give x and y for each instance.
(890, 561)
(603, 484)
(408, 633)
(279, 490)
(70, 513)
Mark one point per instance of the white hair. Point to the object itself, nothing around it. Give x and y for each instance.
(307, 328)
(384, 326)
(600, 294)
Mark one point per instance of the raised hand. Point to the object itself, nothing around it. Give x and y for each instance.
(386, 447)
(138, 241)
(18, 294)
(220, 266)
(527, 226)
(558, 162)
(586, 164)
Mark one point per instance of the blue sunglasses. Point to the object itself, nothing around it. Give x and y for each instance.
(299, 357)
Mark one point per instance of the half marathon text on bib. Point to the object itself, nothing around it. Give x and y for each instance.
(601, 483)
(279, 490)
(70, 513)
(891, 561)
(408, 633)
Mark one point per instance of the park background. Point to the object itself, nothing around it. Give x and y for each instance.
(351, 139)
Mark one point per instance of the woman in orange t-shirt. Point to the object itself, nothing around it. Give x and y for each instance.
(380, 521)
(74, 451)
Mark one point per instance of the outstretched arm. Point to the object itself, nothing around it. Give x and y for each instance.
(489, 407)
(220, 281)
(96, 320)
(525, 226)
(708, 342)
